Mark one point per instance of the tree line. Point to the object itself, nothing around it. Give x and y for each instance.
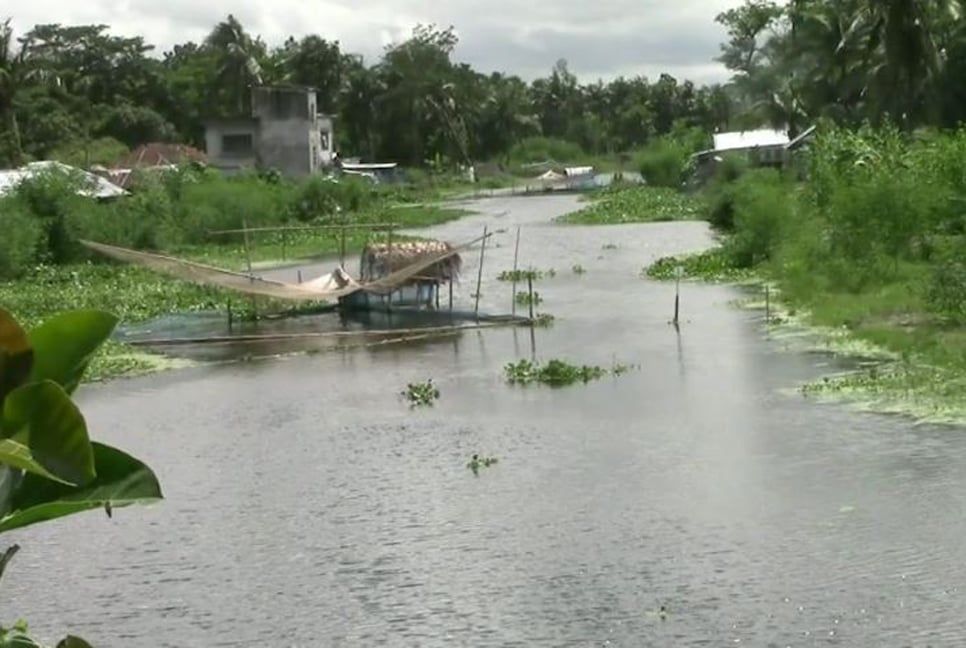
(64, 88)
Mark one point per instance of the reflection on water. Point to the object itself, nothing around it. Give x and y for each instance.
(307, 505)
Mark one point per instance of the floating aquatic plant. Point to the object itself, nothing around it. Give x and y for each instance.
(478, 461)
(421, 393)
(637, 204)
(523, 275)
(578, 269)
(712, 265)
(543, 320)
(525, 299)
(556, 373)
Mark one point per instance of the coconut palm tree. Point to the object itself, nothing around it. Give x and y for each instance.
(238, 62)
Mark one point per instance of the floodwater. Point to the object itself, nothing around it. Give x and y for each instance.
(307, 505)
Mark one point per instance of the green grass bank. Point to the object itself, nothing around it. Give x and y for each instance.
(866, 256)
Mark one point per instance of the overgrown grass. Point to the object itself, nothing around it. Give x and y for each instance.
(872, 244)
(44, 270)
(635, 204)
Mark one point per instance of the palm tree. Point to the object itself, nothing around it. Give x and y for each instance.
(13, 68)
(905, 37)
(238, 67)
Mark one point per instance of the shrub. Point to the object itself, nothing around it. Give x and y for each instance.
(22, 238)
(762, 210)
(541, 149)
(663, 163)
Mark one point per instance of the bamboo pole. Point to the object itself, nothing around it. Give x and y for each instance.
(516, 255)
(479, 273)
(530, 290)
(248, 258)
(389, 257)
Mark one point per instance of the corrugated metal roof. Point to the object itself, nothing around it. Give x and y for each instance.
(749, 139)
(94, 185)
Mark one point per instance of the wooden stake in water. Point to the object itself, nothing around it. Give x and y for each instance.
(479, 273)
(530, 290)
(389, 246)
(248, 258)
(678, 271)
(516, 255)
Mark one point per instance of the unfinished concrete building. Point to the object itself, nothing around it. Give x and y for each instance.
(285, 132)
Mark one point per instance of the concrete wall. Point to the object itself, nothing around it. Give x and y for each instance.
(288, 136)
(230, 158)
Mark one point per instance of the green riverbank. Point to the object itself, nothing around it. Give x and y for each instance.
(908, 361)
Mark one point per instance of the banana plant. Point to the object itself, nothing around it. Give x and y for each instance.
(49, 467)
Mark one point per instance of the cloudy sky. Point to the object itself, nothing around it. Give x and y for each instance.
(599, 39)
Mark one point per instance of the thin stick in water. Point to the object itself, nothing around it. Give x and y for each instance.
(479, 273)
(516, 254)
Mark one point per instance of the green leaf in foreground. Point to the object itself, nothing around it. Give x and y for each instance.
(44, 416)
(121, 481)
(65, 344)
(16, 356)
(70, 641)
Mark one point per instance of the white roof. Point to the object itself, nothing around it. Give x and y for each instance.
(94, 185)
(583, 170)
(749, 139)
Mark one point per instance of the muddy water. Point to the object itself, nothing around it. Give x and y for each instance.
(307, 506)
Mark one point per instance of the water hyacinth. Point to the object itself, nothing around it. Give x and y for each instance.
(636, 204)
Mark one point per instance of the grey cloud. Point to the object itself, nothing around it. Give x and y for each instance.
(601, 39)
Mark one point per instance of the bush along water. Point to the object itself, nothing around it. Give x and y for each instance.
(872, 241)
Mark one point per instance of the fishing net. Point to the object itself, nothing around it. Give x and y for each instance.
(327, 287)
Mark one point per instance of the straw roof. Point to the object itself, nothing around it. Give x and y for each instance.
(381, 259)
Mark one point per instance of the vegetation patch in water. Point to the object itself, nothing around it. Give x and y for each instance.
(421, 393)
(578, 269)
(556, 373)
(525, 299)
(713, 265)
(478, 461)
(926, 393)
(636, 204)
(524, 275)
(543, 320)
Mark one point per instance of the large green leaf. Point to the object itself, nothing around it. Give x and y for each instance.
(121, 480)
(70, 641)
(64, 345)
(54, 429)
(15, 453)
(16, 356)
(17, 639)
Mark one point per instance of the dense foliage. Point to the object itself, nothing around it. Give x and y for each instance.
(81, 94)
(182, 211)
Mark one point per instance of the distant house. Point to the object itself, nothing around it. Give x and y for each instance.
(763, 147)
(155, 156)
(89, 184)
(284, 132)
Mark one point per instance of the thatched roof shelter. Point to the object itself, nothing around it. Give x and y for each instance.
(381, 259)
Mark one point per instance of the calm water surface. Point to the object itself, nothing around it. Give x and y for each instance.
(308, 506)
